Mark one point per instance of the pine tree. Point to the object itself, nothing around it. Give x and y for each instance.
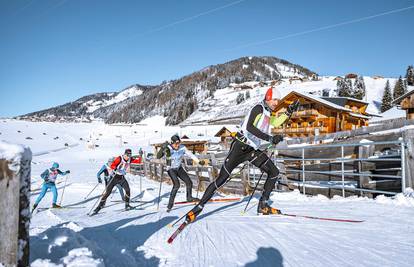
(386, 98)
(410, 75)
(399, 88)
(359, 88)
(344, 88)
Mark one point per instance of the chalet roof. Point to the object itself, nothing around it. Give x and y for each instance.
(356, 115)
(224, 128)
(319, 100)
(340, 100)
(410, 92)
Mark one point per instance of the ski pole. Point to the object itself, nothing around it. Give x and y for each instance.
(159, 192)
(91, 191)
(99, 199)
(61, 198)
(254, 190)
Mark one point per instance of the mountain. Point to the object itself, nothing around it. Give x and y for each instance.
(176, 99)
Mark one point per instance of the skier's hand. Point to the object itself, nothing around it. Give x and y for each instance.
(202, 162)
(276, 139)
(99, 180)
(292, 108)
(67, 172)
(165, 145)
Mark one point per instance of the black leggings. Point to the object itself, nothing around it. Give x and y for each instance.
(117, 179)
(182, 174)
(240, 152)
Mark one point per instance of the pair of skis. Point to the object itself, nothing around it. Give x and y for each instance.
(185, 223)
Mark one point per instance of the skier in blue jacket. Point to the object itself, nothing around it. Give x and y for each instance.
(49, 176)
(175, 152)
(107, 178)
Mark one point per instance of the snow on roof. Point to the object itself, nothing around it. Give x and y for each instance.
(322, 101)
(347, 98)
(392, 113)
(410, 92)
(356, 115)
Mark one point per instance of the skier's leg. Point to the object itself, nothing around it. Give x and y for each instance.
(124, 184)
(182, 174)
(42, 194)
(108, 191)
(55, 193)
(121, 192)
(176, 185)
(239, 152)
(266, 165)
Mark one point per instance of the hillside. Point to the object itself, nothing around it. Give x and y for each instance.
(175, 99)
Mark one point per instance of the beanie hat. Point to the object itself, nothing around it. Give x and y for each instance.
(272, 93)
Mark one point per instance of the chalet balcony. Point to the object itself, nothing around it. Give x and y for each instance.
(305, 113)
(301, 130)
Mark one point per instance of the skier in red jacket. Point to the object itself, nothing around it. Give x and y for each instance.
(119, 168)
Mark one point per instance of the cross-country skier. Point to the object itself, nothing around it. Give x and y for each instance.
(49, 176)
(245, 147)
(104, 170)
(118, 168)
(174, 153)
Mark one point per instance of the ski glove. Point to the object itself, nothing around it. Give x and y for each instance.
(99, 180)
(67, 172)
(276, 139)
(292, 108)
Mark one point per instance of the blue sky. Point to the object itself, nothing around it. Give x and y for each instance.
(55, 51)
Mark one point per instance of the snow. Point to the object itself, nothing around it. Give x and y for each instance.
(393, 113)
(222, 236)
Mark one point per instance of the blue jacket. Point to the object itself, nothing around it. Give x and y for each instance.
(50, 175)
(104, 169)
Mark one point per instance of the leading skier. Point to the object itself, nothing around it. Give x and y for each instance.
(256, 129)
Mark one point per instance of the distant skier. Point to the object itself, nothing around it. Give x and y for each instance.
(107, 179)
(174, 153)
(118, 170)
(256, 128)
(49, 176)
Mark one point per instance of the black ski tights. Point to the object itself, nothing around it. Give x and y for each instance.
(240, 152)
(182, 174)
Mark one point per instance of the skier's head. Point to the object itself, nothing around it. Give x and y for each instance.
(272, 97)
(127, 153)
(55, 166)
(175, 141)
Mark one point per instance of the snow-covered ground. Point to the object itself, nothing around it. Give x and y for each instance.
(221, 237)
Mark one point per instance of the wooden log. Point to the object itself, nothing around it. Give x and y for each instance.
(408, 137)
(14, 204)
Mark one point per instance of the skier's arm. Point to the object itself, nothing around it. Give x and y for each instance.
(115, 163)
(277, 121)
(102, 170)
(63, 173)
(254, 117)
(45, 175)
(191, 155)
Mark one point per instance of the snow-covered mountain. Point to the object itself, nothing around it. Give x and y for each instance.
(175, 99)
(216, 92)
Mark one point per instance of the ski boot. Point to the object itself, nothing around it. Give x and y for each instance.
(193, 199)
(192, 214)
(128, 207)
(266, 209)
(95, 211)
(56, 206)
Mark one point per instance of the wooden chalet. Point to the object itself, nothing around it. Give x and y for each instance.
(406, 102)
(322, 115)
(195, 146)
(225, 135)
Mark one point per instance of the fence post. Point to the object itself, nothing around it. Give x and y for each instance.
(303, 171)
(343, 171)
(402, 165)
(14, 204)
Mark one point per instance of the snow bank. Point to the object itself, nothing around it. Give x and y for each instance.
(75, 258)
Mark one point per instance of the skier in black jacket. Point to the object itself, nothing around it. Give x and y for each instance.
(245, 147)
